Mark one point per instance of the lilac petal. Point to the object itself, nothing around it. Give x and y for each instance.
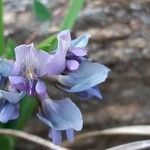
(61, 114)
(56, 136)
(40, 88)
(87, 76)
(21, 51)
(19, 82)
(5, 67)
(79, 51)
(81, 41)
(15, 115)
(56, 63)
(30, 57)
(72, 64)
(92, 92)
(9, 112)
(64, 40)
(43, 59)
(12, 97)
(17, 79)
(70, 135)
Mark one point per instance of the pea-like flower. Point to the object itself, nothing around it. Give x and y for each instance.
(85, 79)
(78, 74)
(9, 105)
(76, 48)
(61, 116)
(29, 67)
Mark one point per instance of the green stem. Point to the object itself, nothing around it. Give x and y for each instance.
(1, 28)
(72, 13)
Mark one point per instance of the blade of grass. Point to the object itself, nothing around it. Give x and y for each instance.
(28, 106)
(1, 28)
(72, 14)
(10, 46)
(5, 142)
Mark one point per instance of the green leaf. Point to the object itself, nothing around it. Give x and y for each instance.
(10, 48)
(6, 143)
(41, 12)
(49, 44)
(27, 107)
(72, 14)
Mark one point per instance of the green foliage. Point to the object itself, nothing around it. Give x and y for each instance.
(6, 143)
(28, 106)
(10, 46)
(49, 44)
(72, 14)
(1, 28)
(41, 12)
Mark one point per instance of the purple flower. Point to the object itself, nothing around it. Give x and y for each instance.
(74, 74)
(61, 116)
(84, 80)
(29, 67)
(77, 74)
(68, 53)
(56, 135)
(67, 68)
(9, 106)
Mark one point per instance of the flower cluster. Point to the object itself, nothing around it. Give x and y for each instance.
(67, 68)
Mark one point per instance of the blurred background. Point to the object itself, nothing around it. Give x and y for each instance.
(120, 39)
